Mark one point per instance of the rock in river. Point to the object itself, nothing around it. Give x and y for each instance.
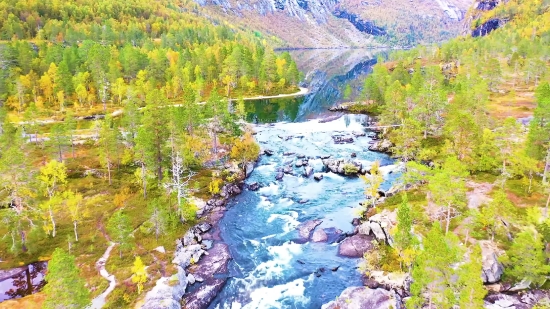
(318, 177)
(381, 146)
(279, 176)
(304, 229)
(254, 186)
(319, 235)
(355, 246)
(308, 170)
(248, 169)
(363, 298)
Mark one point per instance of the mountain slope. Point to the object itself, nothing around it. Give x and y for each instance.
(332, 23)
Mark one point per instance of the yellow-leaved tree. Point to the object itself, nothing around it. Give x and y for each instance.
(139, 276)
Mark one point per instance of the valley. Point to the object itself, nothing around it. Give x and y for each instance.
(275, 154)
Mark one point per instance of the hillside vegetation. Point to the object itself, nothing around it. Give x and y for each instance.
(471, 119)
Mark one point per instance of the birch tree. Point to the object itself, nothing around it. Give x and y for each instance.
(52, 176)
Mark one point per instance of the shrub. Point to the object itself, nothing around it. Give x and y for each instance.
(350, 169)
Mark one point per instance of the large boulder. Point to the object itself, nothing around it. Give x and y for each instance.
(492, 269)
(304, 229)
(202, 207)
(381, 146)
(187, 255)
(391, 280)
(308, 171)
(364, 228)
(229, 190)
(526, 300)
(363, 298)
(343, 166)
(214, 263)
(377, 231)
(381, 225)
(202, 227)
(355, 246)
(203, 296)
(248, 169)
(167, 292)
(319, 235)
(342, 139)
(254, 186)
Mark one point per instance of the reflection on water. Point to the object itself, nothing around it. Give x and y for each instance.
(26, 280)
(272, 110)
(326, 83)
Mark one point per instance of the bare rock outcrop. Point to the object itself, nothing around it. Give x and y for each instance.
(363, 298)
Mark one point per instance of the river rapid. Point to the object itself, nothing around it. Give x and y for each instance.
(272, 266)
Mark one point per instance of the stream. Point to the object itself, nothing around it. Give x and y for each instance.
(272, 266)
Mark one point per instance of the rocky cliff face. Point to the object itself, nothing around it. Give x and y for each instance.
(472, 25)
(334, 23)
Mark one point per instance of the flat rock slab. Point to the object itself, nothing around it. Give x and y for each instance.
(363, 298)
(214, 263)
(304, 229)
(203, 296)
(355, 246)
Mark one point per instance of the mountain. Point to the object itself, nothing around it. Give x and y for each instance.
(336, 23)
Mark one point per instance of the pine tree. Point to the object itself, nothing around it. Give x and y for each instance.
(58, 139)
(526, 260)
(538, 145)
(469, 284)
(109, 146)
(432, 273)
(153, 134)
(119, 228)
(65, 288)
(404, 239)
(448, 187)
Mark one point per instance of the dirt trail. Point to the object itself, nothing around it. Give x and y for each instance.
(99, 301)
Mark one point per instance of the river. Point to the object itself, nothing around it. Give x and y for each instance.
(272, 266)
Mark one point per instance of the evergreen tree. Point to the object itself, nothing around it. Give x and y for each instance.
(469, 284)
(448, 188)
(538, 145)
(153, 134)
(109, 146)
(525, 259)
(119, 228)
(64, 288)
(404, 239)
(432, 273)
(59, 139)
